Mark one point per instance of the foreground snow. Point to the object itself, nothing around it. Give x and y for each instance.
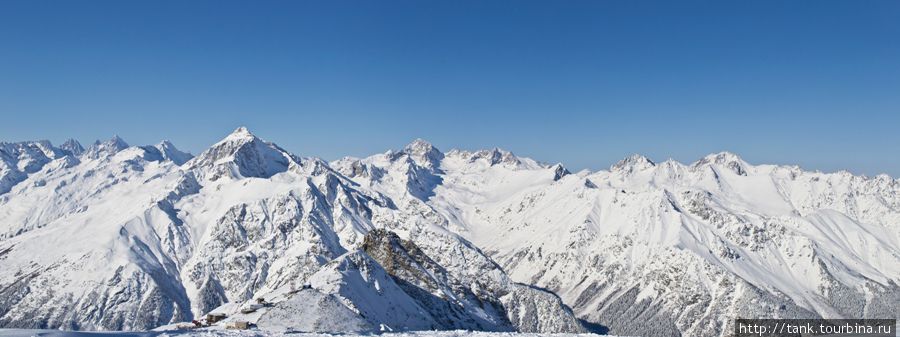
(252, 333)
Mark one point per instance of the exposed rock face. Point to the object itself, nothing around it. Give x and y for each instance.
(367, 289)
(633, 163)
(104, 149)
(135, 240)
(18, 160)
(123, 237)
(240, 155)
(427, 283)
(507, 306)
(390, 284)
(72, 147)
(677, 245)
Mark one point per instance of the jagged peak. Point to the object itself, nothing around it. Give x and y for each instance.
(114, 144)
(721, 158)
(418, 144)
(72, 146)
(43, 146)
(43, 143)
(26, 156)
(634, 162)
(244, 155)
(403, 259)
(424, 152)
(241, 134)
(71, 142)
(724, 158)
(168, 151)
(350, 166)
(165, 143)
(559, 171)
(108, 147)
(117, 141)
(241, 130)
(495, 156)
(233, 142)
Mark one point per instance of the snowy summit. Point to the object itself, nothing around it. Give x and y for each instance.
(121, 237)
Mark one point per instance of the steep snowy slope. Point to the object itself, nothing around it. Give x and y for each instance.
(290, 333)
(491, 302)
(312, 311)
(681, 248)
(126, 238)
(18, 160)
(77, 248)
(117, 237)
(390, 284)
(72, 147)
(365, 287)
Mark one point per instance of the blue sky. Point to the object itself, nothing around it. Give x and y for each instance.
(585, 83)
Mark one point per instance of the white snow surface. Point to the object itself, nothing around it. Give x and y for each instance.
(254, 333)
(124, 237)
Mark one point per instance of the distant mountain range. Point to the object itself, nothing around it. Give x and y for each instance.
(120, 237)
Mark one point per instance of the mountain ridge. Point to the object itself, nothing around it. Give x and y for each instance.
(246, 218)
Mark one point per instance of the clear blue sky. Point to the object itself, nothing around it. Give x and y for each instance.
(814, 83)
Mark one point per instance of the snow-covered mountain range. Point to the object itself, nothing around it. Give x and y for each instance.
(120, 237)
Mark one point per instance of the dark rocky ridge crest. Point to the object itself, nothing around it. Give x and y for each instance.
(456, 305)
(421, 277)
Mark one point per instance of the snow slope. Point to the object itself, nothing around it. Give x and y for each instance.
(681, 248)
(119, 237)
(254, 333)
(127, 238)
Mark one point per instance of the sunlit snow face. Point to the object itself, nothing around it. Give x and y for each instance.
(126, 227)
